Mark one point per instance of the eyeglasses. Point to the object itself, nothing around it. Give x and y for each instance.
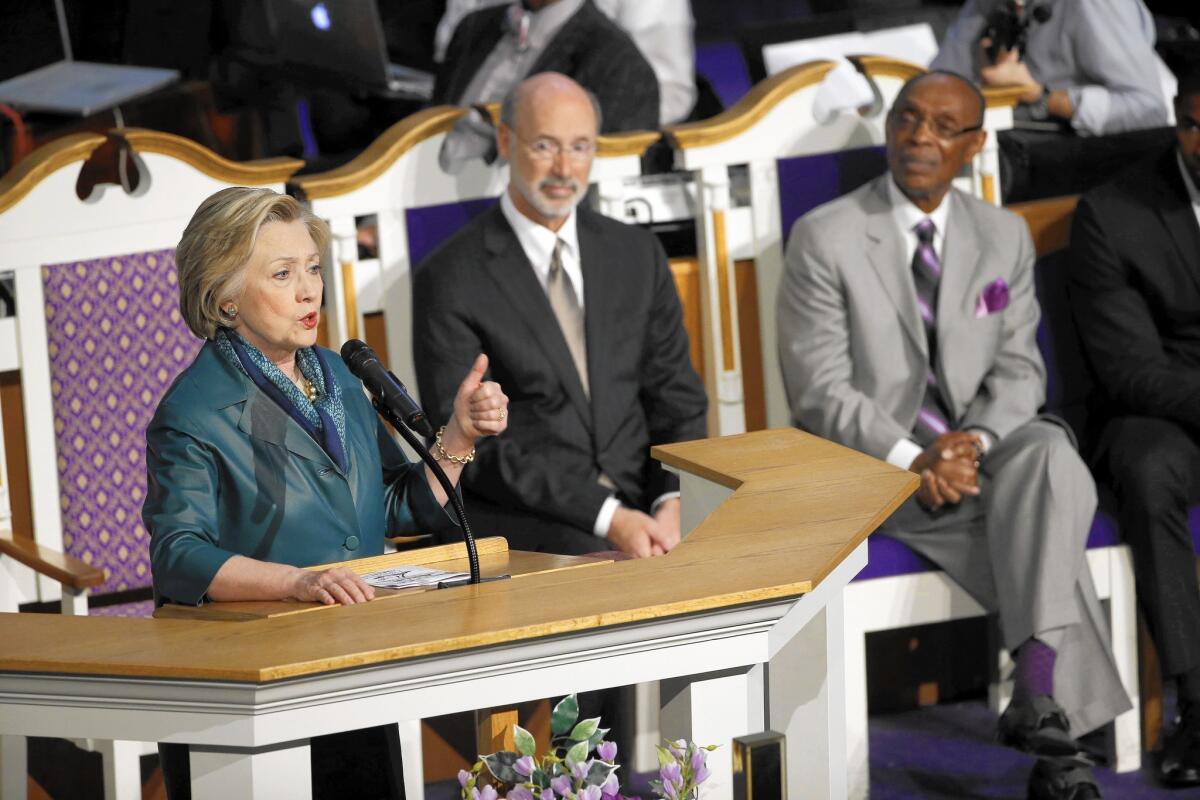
(549, 150)
(908, 121)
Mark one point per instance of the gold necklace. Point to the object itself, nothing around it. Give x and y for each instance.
(307, 387)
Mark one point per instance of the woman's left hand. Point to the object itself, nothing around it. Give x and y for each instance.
(480, 409)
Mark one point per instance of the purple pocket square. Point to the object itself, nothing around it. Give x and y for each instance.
(993, 299)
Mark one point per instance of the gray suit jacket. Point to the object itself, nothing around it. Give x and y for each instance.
(851, 341)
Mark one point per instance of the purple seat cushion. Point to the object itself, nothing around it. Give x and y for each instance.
(887, 557)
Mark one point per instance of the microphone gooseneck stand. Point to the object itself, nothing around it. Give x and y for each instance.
(468, 538)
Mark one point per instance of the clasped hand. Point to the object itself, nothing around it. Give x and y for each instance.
(949, 469)
(642, 535)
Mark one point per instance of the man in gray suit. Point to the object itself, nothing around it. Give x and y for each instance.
(907, 323)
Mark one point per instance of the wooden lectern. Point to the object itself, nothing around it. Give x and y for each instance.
(741, 624)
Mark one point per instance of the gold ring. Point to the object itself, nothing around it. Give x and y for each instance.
(503, 414)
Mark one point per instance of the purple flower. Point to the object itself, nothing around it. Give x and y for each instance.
(548, 794)
(700, 770)
(581, 769)
(993, 299)
(463, 778)
(607, 751)
(672, 775)
(562, 785)
(611, 786)
(590, 793)
(520, 793)
(488, 793)
(678, 747)
(524, 766)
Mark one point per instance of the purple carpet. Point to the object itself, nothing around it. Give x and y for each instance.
(947, 752)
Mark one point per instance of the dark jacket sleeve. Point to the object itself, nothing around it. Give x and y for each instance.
(627, 89)
(446, 340)
(1118, 330)
(672, 395)
(409, 505)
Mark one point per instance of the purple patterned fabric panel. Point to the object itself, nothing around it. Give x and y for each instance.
(116, 342)
(141, 608)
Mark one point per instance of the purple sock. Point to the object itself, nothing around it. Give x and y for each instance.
(1035, 669)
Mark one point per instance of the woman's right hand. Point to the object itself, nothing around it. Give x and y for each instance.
(331, 586)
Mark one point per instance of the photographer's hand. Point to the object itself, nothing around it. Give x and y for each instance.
(1010, 70)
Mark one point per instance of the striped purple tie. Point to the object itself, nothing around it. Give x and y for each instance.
(927, 271)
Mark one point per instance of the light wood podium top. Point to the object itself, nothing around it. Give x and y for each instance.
(800, 505)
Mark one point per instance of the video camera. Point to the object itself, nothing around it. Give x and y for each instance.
(1008, 28)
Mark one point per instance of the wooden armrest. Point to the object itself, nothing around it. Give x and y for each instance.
(55, 565)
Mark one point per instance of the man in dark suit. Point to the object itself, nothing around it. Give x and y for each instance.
(579, 314)
(1135, 292)
(494, 48)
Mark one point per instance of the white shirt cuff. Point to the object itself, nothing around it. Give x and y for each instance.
(903, 452)
(662, 498)
(1091, 109)
(604, 518)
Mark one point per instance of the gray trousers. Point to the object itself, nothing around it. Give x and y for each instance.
(1019, 549)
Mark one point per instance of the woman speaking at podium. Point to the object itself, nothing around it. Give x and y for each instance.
(265, 456)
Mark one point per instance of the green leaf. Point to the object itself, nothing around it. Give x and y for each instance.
(584, 730)
(564, 715)
(665, 756)
(577, 754)
(599, 773)
(597, 738)
(501, 766)
(526, 746)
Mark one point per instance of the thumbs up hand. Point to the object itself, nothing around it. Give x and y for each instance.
(480, 409)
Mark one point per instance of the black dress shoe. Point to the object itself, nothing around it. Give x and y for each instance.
(1063, 779)
(1180, 763)
(1037, 725)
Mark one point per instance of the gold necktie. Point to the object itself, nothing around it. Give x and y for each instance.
(568, 313)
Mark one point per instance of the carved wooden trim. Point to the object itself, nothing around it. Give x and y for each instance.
(750, 109)
(241, 173)
(887, 67)
(380, 154)
(45, 161)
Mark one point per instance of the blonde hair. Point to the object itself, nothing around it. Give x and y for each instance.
(216, 245)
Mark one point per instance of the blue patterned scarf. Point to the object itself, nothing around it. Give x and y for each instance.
(324, 419)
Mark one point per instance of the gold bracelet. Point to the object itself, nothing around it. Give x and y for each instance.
(440, 451)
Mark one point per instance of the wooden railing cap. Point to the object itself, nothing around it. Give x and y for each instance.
(736, 120)
(54, 565)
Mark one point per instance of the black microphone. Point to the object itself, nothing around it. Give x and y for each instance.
(384, 386)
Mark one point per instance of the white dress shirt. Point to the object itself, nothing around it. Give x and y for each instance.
(1100, 51)
(1191, 186)
(661, 29)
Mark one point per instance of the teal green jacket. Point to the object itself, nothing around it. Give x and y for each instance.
(230, 472)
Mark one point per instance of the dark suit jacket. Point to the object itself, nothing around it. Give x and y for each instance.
(478, 293)
(589, 48)
(1135, 291)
